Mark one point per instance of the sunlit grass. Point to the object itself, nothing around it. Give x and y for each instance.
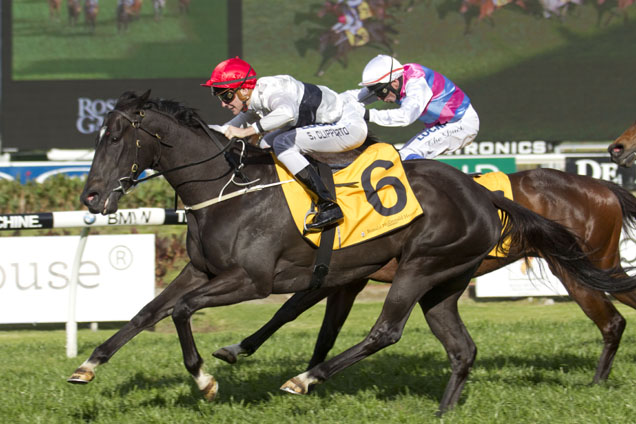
(534, 365)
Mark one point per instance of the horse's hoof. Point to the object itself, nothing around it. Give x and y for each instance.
(295, 386)
(211, 390)
(225, 355)
(81, 376)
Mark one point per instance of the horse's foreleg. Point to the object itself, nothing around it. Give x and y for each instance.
(339, 305)
(157, 309)
(290, 310)
(324, 64)
(232, 287)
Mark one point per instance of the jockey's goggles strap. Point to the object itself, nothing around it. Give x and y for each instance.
(241, 80)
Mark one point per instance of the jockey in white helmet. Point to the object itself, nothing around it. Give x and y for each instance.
(450, 120)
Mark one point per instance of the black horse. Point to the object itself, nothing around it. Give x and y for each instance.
(245, 248)
(594, 210)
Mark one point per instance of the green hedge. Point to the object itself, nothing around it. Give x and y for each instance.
(61, 193)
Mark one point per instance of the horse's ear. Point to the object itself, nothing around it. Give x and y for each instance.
(144, 97)
(126, 98)
(130, 99)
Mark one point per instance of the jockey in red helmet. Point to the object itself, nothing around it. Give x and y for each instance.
(285, 111)
(228, 77)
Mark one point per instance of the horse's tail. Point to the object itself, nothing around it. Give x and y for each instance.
(627, 202)
(531, 234)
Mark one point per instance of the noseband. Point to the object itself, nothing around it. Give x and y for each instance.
(131, 181)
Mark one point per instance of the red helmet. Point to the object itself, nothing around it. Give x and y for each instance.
(232, 73)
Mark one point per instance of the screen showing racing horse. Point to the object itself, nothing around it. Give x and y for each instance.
(554, 70)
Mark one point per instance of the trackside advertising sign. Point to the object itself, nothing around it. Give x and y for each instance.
(600, 166)
(116, 277)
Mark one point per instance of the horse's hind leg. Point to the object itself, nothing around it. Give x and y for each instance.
(339, 305)
(157, 309)
(608, 320)
(291, 309)
(443, 318)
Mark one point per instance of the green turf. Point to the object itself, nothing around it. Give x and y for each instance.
(176, 46)
(534, 365)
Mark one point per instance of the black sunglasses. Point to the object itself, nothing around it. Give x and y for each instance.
(225, 95)
(381, 90)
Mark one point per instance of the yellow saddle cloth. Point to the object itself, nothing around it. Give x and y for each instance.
(497, 181)
(358, 39)
(372, 192)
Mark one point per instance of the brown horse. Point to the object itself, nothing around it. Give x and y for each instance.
(127, 12)
(54, 9)
(91, 9)
(595, 210)
(336, 47)
(623, 149)
(74, 11)
(184, 6)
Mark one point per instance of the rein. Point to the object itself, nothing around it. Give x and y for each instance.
(131, 181)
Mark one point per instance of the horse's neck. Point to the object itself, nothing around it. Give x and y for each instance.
(198, 183)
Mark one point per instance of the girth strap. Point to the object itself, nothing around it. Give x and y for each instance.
(323, 256)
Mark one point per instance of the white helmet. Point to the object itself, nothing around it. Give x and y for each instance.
(381, 69)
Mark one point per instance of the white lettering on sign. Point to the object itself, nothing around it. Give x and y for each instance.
(537, 147)
(20, 221)
(604, 171)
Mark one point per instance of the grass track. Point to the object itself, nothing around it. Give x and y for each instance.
(534, 365)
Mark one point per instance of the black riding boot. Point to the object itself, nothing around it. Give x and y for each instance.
(328, 210)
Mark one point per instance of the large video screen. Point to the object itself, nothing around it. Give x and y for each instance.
(554, 70)
(65, 62)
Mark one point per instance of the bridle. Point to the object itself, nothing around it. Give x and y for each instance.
(137, 125)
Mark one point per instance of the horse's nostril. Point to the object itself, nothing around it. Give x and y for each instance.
(91, 198)
(615, 149)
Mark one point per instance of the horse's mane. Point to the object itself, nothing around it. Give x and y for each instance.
(189, 117)
(183, 114)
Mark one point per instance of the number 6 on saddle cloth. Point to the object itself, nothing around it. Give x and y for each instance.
(373, 193)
